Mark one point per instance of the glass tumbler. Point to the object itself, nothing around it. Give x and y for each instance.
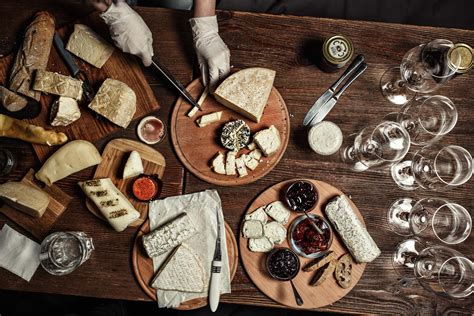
(63, 252)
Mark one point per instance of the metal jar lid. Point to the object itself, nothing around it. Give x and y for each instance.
(461, 57)
(338, 49)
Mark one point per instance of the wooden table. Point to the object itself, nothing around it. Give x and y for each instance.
(285, 44)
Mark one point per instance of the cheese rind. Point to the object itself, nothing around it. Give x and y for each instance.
(278, 211)
(57, 84)
(89, 46)
(64, 111)
(268, 140)
(25, 198)
(133, 166)
(247, 91)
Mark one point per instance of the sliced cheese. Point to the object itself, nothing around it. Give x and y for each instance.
(230, 163)
(24, 197)
(113, 205)
(203, 96)
(57, 84)
(250, 162)
(268, 140)
(115, 101)
(258, 215)
(64, 111)
(262, 244)
(133, 166)
(252, 229)
(256, 154)
(89, 46)
(241, 169)
(209, 119)
(247, 91)
(193, 111)
(70, 158)
(275, 232)
(252, 146)
(218, 164)
(278, 211)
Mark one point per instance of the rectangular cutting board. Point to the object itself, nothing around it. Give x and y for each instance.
(120, 66)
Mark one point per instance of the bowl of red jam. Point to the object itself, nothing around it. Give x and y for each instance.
(301, 196)
(305, 240)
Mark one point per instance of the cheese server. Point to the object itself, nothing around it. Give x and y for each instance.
(326, 107)
(214, 288)
(330, 92)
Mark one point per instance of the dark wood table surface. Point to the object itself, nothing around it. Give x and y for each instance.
(287, 45)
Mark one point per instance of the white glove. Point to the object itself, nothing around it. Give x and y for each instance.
(129, 32)
(212, 53)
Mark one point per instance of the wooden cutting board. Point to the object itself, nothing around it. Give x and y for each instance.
(196, 146)
(114, 157)
(143, 266)
(280, 291)
(39, 227)
(120, 66)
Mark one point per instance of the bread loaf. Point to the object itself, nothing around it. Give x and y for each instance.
(54, 83)
(33, 54)
(12, 101)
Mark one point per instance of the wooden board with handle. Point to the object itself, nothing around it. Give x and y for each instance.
(39, 227)
(314, 297)
(120, 66)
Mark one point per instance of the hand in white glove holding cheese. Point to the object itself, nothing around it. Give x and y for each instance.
(129, 32)
(212, 53)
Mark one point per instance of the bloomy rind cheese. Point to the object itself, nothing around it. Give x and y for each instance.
(252, 229)
(258, 215)
(262, 244)
(57, 84)
(24, 197)
(278, 211)
(275, 232)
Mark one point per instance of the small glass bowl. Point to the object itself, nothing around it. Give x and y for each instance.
(279, 250)
(292, 187)
(298, 249)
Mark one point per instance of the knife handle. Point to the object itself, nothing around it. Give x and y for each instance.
(354, 76)
(214, 288)
(71, 65)
(355, 63)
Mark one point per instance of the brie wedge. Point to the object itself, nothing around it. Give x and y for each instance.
(218, 164)
(262, 244)
(64, 111)
(278, 211)
(133, 166)
(275, 232)
(230, 163)
(252, 229)
(209, 119)
(24, 197)
(258, 215)
(268, 140)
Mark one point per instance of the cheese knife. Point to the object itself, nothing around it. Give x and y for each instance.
(330, 92)
(326, 107)
(87, 90)
(214, 287)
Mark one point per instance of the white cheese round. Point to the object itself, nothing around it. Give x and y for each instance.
(325, 138)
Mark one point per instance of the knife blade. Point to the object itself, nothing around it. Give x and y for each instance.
(326, 107)
(87, 90)
(214, 288)
(330, 92)
(167, 74)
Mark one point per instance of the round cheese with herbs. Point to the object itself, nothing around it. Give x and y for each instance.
(235, 135)
(325, 138)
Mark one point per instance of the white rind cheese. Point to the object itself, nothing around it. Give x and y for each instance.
(278, 211)
(133, 166)
(113, 205)
(24, 197)
(241, 169)
(252, 229)
(210, 118)
(275, 232)
(230, 163)
(325, 138)
(258, 215)
(247, 91)
(262, 244)
(57, 84)
(64, 111)
(268, 140)
(218, 164)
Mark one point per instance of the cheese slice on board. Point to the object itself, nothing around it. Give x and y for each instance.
(182, 271)
(268, 140)
(247, 91)
(24, 197)
(89, 46)
(64, 111)
(209, 119)
(133, 166)
(57, 84)
(218, 164)
(230, 163)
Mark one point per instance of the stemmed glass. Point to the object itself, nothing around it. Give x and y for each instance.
(424, 68)
(376, 146)
(434, 167)
(432, 219)
(439, 269)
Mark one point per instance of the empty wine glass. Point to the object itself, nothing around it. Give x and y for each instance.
(423, 69)
(439, 269)
(434, 167)
(376, 146)
(428, 118)
(431, 219)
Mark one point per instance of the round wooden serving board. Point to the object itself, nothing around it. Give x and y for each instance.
(254, 263)
(143, 266)
(196, 146)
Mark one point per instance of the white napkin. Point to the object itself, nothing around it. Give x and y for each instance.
(18, 254)
(203, 209)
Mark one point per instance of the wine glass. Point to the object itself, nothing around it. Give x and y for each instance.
(439, 269)
(434, 167)
(376, 146)
(431, 219)
(428, 118)
(423, 69)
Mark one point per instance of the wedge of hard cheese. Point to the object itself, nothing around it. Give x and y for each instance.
(25, 198)
(89, 46)
(54, 83)
(64, 111)
(247, 91)
(115, 101)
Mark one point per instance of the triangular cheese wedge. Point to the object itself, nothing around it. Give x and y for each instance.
(182, 271)
(247, 91)
(133, 166)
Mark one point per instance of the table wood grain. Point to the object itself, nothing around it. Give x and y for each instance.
(289, 46)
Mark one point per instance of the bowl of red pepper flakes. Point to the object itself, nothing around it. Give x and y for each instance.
(305, 240)
(146, 188)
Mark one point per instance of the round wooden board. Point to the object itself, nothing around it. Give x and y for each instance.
(143, 266)
(196, 146)
(281, 292)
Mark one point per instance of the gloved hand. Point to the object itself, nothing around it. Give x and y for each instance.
(129, 32)
(212, 53)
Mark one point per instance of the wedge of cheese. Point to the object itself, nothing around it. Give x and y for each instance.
(209, 119)
(133, 166)
(89, 46)
(218, 164)
(64, 111)
(268, 140)
(113, 205)
(247, 91)
(70, 158)
(25, 198)
(115, 101)
(57, 84)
